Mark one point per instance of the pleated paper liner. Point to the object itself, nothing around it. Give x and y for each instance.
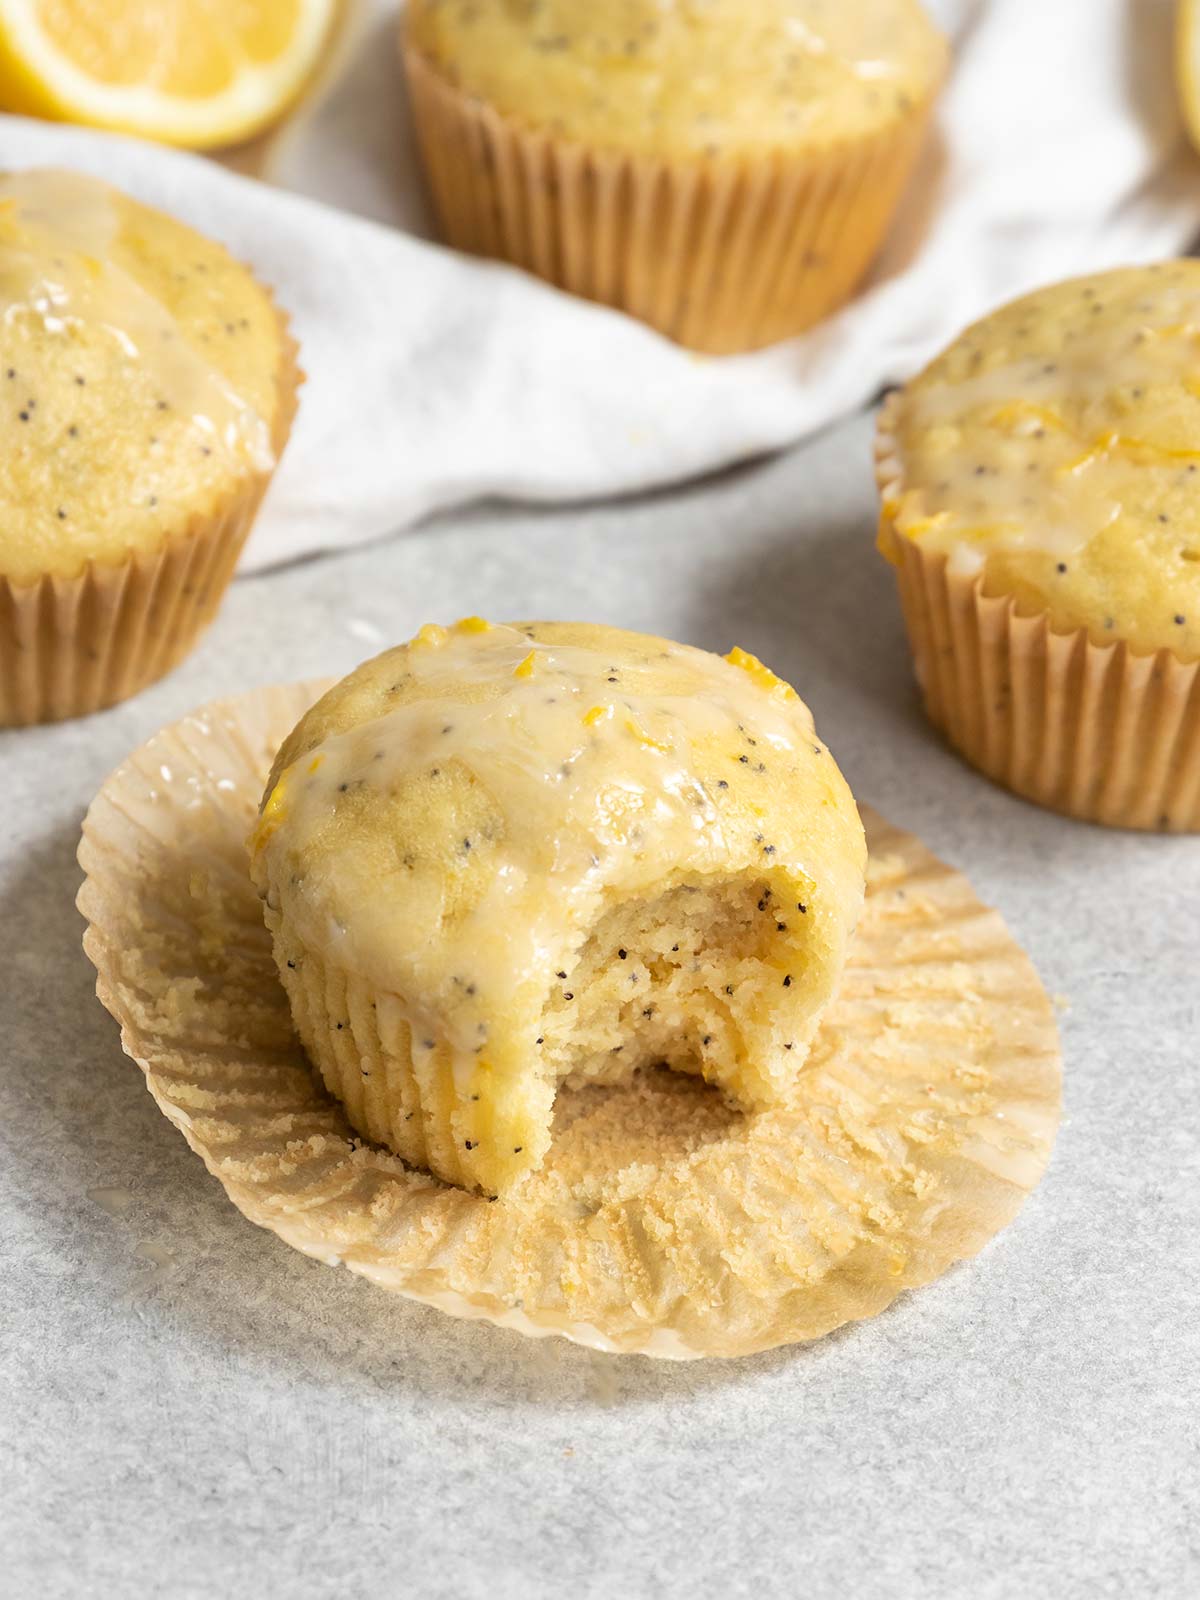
(663, 1221)
(72, 645)
(1097, 732)
(719, 254)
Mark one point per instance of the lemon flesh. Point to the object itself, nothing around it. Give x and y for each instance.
(202, 73)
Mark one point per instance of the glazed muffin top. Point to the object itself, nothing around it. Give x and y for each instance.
(688, 77)
(1054, 449)
(139, 374)
(487, 760)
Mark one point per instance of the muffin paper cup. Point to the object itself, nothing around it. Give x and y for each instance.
(719, 254)
(663, 1220)
(69, 646)
(354, 1035)
(1097, 732)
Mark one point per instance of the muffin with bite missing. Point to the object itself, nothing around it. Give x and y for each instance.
(498, 859)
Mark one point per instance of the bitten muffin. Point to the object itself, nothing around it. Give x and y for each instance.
(1041, 497)
(148, 385)
(663, 1219)
(498, 858)
(725, 171)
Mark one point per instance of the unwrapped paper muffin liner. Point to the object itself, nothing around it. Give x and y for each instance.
(718, 253)
(1095, 731)
(72, 645)
(663, 1220)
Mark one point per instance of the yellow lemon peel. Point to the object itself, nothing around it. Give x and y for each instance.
(431, 637)
(760, 674)
(642, 737)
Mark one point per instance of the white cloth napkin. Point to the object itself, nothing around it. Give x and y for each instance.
(435, 379)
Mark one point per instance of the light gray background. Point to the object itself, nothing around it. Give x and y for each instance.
(189, 1408)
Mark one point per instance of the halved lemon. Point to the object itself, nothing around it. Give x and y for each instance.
(190, 72)
(1187, 64)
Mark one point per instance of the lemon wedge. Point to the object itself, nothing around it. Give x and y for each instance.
(192, 72)
(1187, 65)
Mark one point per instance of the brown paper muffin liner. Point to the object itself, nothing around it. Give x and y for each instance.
(663, 1221)
(354, 1036)
(721, 255)
(1095, 731)
(72, 645)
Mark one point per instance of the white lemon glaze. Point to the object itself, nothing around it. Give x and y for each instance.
(1055, 447)
(57, 230)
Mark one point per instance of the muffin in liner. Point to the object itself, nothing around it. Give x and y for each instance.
(500, 857)
(663, 1221)
(721, 253)
(1096, 731)
(72, 645)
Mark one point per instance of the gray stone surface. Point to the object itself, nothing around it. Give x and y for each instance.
(189, 1408)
